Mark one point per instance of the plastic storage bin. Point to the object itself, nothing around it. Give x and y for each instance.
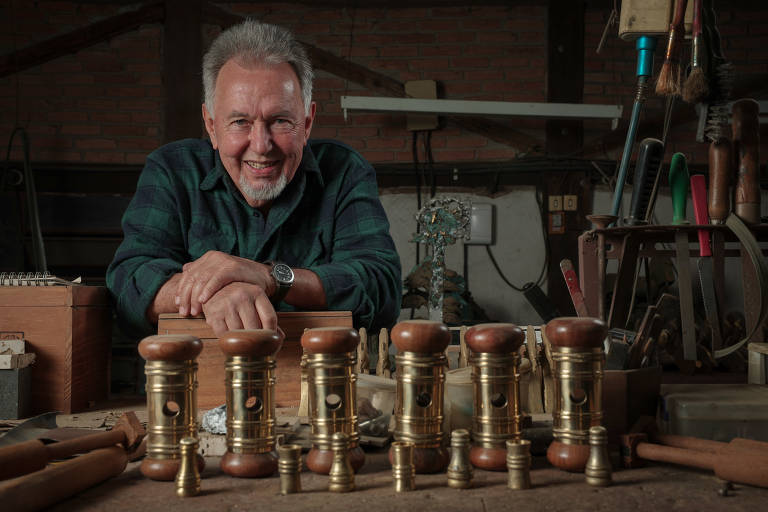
(715, 411)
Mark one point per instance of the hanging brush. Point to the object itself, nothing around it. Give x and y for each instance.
(696, 86)
(720, 79)
(668, 83)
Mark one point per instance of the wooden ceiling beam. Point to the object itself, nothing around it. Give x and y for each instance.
(80, 38)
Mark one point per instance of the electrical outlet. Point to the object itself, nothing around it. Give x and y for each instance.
(555, 203)
(570, 203)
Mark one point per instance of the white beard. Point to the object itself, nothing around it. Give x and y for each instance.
(266, 192)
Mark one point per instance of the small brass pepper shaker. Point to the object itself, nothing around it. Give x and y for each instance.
(188, 477)
(341, 476)
(403, 470)
(519, 464)
(459, 469)
(289, 467)
(598, 469)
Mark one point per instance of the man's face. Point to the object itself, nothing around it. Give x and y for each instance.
(259, 126)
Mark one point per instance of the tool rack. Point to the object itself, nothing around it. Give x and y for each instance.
(627, 244)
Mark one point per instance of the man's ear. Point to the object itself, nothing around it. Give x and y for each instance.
(309, 121)
(209, 127)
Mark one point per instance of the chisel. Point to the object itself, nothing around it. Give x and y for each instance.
(649, 156)
(678, 183)
(706, 272)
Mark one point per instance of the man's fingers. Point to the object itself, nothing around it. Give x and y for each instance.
(183, 293)
(232, 319)
(266, 312)
(249, 317)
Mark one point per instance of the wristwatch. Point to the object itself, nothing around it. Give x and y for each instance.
(283, 276)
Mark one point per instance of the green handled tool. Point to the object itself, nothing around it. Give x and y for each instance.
(678, 183)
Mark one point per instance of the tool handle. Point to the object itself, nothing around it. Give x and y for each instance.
(719, 177)
(699, 195)
(679, 18)
(60, 481)
(696, 29)
(678, 183)
(746, 140)
(22, 458)
(572, 281)
(649, 156)
(691, 458)
(84, 444)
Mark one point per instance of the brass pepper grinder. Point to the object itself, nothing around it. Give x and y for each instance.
(249, 378)
(519, 464)
(289, 466)
(496, 383)
(403, 472)
(421, 364)
(341, 477)
(598, 469)
(171, 372)
(331, 356)
(460, 470)
(188, 477)
(577, 353)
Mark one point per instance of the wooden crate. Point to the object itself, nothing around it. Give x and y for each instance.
(210, 368)
(69, 328)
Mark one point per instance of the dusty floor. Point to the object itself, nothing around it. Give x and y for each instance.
(657, 488)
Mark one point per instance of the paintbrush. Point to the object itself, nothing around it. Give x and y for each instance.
(696, 86)
(720, 79)
(668, 83)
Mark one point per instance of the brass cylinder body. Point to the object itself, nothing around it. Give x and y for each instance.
(171, 401)
(578, 393)
(403, 470)
(250, 384)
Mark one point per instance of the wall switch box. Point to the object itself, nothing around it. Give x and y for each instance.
(570, 203)
(481, 226)
(555, 203)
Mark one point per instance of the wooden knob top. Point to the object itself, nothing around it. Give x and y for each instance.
(250, 342)
(421, 336)
(170, 347)
(330, 340)
(576, 332)
(497, 338)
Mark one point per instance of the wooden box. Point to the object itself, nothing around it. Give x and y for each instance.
(210, 363)
(69, 328)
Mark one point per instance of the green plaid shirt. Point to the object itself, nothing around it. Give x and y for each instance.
(328, 219)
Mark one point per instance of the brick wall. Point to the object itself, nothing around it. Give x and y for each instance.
(104, 104)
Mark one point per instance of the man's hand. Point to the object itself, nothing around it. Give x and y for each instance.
(203, 278)
(239, 306)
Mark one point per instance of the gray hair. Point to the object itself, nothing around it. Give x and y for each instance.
(252, 41)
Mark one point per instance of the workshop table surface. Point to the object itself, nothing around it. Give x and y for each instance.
(657, 487)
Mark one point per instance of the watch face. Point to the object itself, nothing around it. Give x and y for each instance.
(282, 273)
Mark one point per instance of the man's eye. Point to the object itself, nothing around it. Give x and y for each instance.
(240, 122)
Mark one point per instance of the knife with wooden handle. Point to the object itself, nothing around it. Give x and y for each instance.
(720, 162)
(746, 144)
(706, 271)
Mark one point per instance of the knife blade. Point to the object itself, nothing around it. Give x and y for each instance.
(678, 183)
(649, 155)
(706, 271)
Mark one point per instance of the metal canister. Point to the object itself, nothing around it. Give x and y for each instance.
(249, 377)
(331, 357)
(496, 416)
(341, 477)
(460, 470)
(518, 464)
(421, 364)
(289, 467)
(598, 468)
(403, 470)
(171, 372)
(577, 352)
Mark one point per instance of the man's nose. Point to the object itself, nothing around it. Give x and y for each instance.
(261, 138)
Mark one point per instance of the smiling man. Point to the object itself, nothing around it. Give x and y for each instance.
(259, 217)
